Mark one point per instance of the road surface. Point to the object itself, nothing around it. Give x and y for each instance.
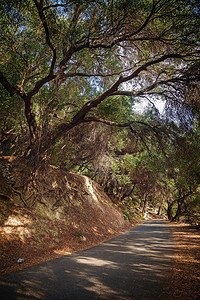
(134, 265)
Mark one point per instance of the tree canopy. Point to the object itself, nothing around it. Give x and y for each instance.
(68, 67)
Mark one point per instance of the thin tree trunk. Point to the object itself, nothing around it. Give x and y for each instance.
(159, 210)
(144, 206)
(30, 116)
(180, 201)
(128, 194)
(169, 210)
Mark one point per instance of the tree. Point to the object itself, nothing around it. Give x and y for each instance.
(186, 172)
(62, 59)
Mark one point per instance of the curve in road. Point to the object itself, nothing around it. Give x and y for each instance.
(135, 265)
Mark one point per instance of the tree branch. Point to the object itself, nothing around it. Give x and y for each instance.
(94, 102)
(94, 43)
(53, 6)
(108, 122)
(127, 124)
(149, 88)
(126, 37)
(138, 134)
(50, 76)
(11, 89)
(80, 74)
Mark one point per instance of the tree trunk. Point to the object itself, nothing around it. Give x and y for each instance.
(180, 201)
(30, 116)
(144, 206)
(159, 210)
(169, 210)
(129, 193)
(178, 212)
(33, 148)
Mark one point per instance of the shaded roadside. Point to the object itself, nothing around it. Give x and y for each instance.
(134, 265)
(69, 243)
(185, 275)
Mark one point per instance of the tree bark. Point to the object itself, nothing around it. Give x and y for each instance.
(30, 116)
(178, 212)
(159, 210)
(144, 205)
(169, 210)
(180, 202)
(128, 194)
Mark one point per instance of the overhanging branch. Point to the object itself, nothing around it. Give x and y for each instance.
(50, 76)
(9, 87)
(79, 117)
(134, 131)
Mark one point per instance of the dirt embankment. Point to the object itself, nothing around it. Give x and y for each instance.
(50, 214)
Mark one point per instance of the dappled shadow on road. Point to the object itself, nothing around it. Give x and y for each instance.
(134, 265)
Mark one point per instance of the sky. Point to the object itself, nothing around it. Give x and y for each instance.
(142, 105)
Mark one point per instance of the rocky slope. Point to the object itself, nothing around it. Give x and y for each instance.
(51, 213)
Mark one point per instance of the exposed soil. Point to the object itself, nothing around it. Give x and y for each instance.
(69, 243)
(185, 276)
(64, 213)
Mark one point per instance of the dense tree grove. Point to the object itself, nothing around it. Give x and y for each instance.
(71, 73)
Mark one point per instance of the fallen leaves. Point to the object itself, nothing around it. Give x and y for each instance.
(185, 277)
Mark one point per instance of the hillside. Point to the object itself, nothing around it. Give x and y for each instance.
(50, 214)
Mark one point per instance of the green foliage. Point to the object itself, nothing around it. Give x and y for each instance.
(118, 109)
(126, 215)
(78, 61)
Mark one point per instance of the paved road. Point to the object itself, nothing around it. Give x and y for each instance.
(135, 265)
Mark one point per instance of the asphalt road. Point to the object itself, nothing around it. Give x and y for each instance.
(135, 265)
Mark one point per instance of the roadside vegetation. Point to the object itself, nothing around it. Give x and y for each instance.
(71, 73)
